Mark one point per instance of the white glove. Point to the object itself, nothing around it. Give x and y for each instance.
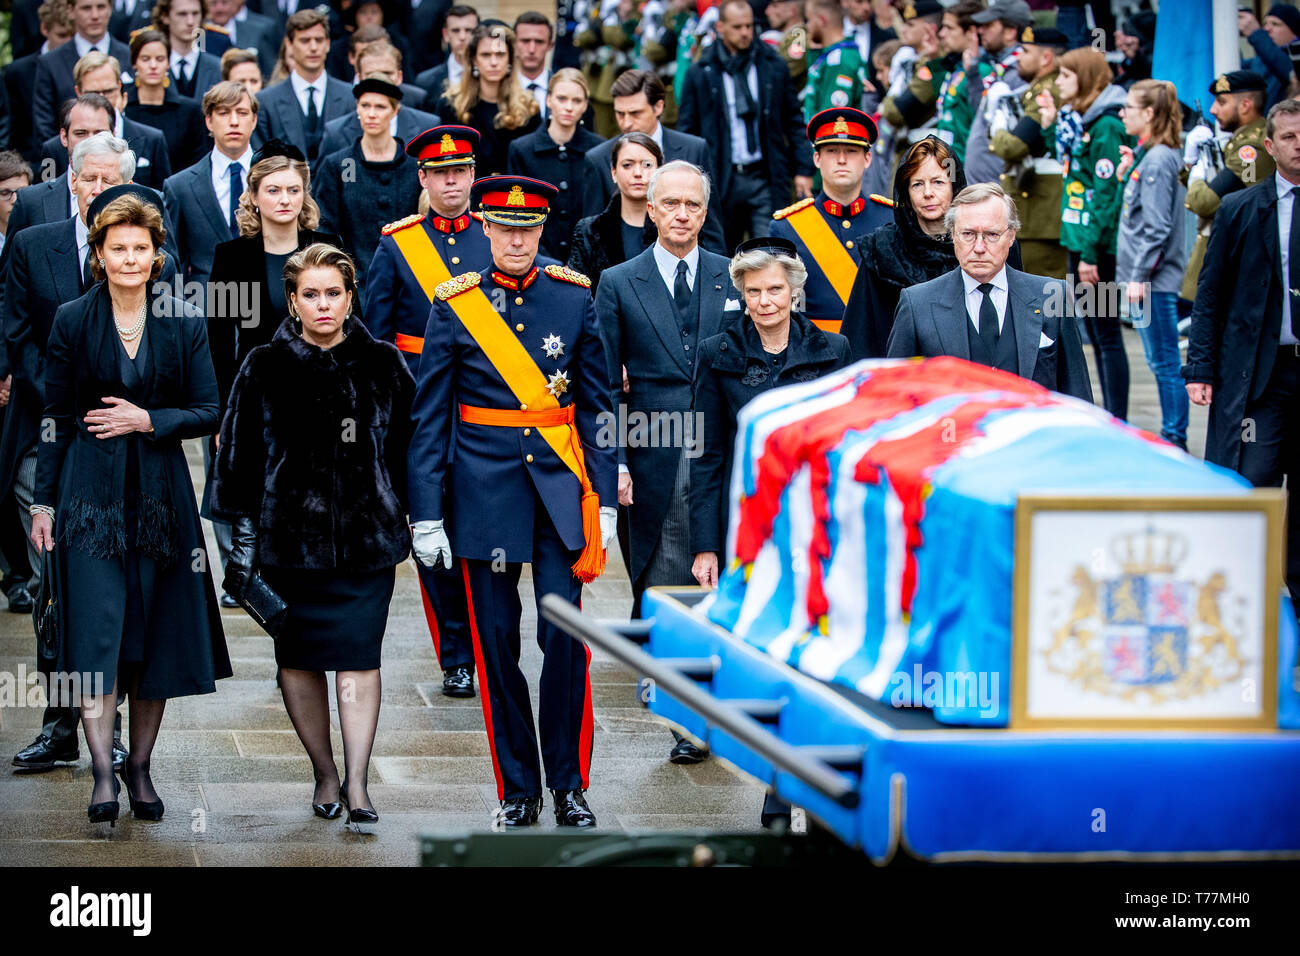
(430, 543)
(1199, 134)
(608, 526)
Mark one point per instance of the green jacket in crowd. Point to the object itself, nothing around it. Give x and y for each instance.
(836, 77)
(1091, 192)
(1028, 150)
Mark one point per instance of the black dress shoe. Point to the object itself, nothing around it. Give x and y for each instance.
(151, 810)
(686, 752)
(571, 809)
(328, 811)
(228, 601)
(42, 755)
(520, 812)
(107, 811)
(20, 601)
(458, 682)
(120, 754)
(357, 814)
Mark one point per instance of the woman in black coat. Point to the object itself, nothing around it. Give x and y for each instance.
(558, 155)
(770, 345)
(312, 474)
(178, 118)
(623, 230)
(371, 183)
(127, 376)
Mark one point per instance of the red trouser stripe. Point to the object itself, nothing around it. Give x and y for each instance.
(432, 619)
(588, 722)
(483, 682)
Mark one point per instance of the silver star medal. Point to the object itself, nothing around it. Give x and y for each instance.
(558, 384)
(552, 346)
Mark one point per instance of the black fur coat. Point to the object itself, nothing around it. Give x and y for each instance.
(313, 448)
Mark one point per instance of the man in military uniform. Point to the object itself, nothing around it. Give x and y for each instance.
(787, 32)
(1033, 174)
(826, 228)
(512, 389)
(914, 108)
(1239, 99)
(415, 255)
(836, 74)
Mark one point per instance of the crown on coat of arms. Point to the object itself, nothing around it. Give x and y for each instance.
(516, 197)
(447, 145)
(841, 128)
(1148, 552)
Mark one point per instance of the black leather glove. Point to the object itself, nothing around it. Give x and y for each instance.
(242, 559)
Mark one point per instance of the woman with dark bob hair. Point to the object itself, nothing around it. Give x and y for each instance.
(312, 474)
(127, 377)
(623, 230)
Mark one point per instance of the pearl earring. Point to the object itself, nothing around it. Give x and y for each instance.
(101, 262)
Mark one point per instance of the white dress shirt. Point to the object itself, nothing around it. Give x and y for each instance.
(740, 152)
(84, 46)
(541, 82)
(83, 243)
(454, 71)
(1285, 209)
(74, 210)
(125, 6)
(975, 298)
(221, 164)
(300, 91)
(190, 61)
(667, 263)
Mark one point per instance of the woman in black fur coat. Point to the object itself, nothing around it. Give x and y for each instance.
(311, 471)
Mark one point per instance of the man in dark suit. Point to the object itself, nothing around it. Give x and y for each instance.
(457, 27)
(54, 71)
(1243, 360)
(101, 75)
(49, 266)
(20, 77)
(638, 104)
(297, 109)
(129, 16)
(423, 26)
(25, 33)
(740, 98)
(984, 311)
(654, 310)
(247, 30)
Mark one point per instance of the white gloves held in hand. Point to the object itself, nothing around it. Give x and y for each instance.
(430, 543)
(608, 526)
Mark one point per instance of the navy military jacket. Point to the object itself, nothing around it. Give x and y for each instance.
(495, 473)
(395, 304)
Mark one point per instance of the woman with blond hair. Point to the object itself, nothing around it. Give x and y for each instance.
(490, 99)
(1089, 134)
(1151, 252)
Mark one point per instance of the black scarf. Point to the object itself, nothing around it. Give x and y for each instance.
(93, 519)
(901, 253)
(737, 65)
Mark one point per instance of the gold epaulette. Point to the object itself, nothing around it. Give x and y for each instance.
(883, 200)
(214, 28)
(392, 227)
(791, 210)
(566, 274)
(456, 285)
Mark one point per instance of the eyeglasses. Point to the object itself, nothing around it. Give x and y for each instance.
(967, 237)
(7, 194)
(672, 205)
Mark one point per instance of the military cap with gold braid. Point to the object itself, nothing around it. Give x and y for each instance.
(513, 200)
(842, 124)
(444, 146)
(1045, 36)
(921, 8)
(1238, 81)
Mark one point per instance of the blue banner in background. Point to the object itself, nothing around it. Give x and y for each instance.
(1184, 49)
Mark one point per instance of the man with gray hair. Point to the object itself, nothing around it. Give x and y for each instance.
(984, 311)
(49, 266)
(654, 310)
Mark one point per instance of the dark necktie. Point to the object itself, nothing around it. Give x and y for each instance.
(682, 293)
(988, 319)
(87, 277)
(1293, 260)
(313, 117)
(533, 89)
(236, 190)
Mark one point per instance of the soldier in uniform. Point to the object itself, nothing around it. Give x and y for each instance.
(826, 228)
(415, 255)
(836, 74)
(1033, 174)
(512, 390)
(788, 35)
(1239, 99)
(914, 107)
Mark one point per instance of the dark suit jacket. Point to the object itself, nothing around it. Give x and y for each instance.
(432, 81)
(25, 28)
(781, 127)
(207, 74)
(20, 89)
(639, 324)
(1237, 316)
(262, 34)
(342, 131)
(423, 26)
(931, 320)
(44, 273)
(54, 83)
(45, 202)
(200, 225)
(152, 163)
(280, 117)
(122, 26)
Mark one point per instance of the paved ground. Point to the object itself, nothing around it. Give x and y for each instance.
(238, 785)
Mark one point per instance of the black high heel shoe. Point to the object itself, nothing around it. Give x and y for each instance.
(151, 810)
(329, 811)
(359, 814)
(107, 811)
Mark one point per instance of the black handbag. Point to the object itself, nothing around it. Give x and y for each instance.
(263, 605)
(46, 611)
